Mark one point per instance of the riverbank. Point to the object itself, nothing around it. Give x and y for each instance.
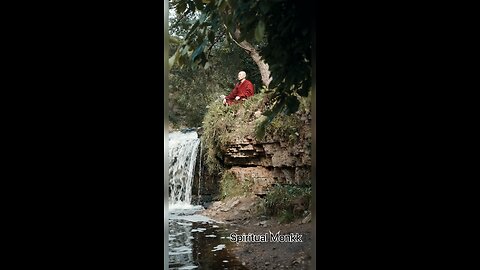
(294, 251)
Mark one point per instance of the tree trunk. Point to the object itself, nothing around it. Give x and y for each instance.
(262, 66)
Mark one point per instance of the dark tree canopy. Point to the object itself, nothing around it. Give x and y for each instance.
(284, 27)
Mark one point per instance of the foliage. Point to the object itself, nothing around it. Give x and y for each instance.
(286, 216)
(247, 185)
(191, 89)
(230, 186)
(216, 125)
(284, 27)
(222, 124)
(282, 199)
(286, 127)
(282, 125)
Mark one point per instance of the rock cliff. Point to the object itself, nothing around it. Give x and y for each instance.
(283, 156)
(269, 162)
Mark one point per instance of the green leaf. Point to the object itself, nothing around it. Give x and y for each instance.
(211, 36)
(264, 7)
(250, 35)
(207, 65)
(185, 50)
(191, 7)
(270, 115)
(194, 27)
(203, 17)
(198, 50)
(260, 30)
(174, 40)
(172, 60)
(292, 103)
(199, 4)
(222, 4)
(305, 88)
(181, 7)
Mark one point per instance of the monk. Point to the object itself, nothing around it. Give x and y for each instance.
(243, 89)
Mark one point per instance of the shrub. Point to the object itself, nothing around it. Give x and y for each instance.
(288, 201)
(283, 126)
(222, 123)
(286, 216)
(216, 125)
(229, 186)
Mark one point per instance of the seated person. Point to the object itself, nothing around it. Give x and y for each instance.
(243, 89)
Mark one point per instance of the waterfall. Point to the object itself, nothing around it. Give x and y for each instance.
(182, 154)
(200, 171)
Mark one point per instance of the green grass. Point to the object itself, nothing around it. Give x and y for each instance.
(229, 186)
(280, 201)
(286, 216)
(223, 123)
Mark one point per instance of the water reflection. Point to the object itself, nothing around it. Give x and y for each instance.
(179, 244)
(200, 245)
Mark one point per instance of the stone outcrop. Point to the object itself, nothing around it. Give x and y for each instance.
(260, 164)
(266, 163)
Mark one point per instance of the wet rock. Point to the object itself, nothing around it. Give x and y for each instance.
(185, 130)
(307, 218)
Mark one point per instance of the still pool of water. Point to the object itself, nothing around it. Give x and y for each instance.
(197, 242)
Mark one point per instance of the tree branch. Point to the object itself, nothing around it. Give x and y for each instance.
(234, 40)
(262, 66)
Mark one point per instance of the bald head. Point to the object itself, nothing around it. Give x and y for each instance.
(242, 75)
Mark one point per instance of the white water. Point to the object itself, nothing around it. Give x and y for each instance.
(191, 236)
(200, 169)
(182, 154)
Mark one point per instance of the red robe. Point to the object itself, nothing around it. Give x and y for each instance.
(243, 90)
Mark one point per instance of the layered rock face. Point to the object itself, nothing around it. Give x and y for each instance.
(266, 163)
(283, 157)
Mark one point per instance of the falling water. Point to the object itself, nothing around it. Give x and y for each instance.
(194, 241)
(200, 171)
(182, 148)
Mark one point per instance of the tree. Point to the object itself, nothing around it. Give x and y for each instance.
(191, 87)
(286, 26)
